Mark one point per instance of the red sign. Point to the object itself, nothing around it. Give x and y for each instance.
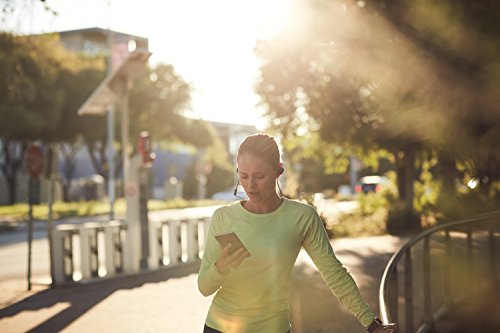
(34, 160)
(144, 148)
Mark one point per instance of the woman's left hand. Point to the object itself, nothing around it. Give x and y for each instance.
(386, 329)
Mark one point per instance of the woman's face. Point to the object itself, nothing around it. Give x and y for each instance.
(257, 177)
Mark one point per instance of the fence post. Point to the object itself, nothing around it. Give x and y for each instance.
(193, 248)
(393, 294)
(112, 246)
(62, 254)
(493, 261)
(174, 242)
(447, 269)
(429, 319)
(155, 234)
(469, 253)
(408, 292)
(88, 251)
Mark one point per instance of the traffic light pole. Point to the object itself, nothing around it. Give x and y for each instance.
(33, 187)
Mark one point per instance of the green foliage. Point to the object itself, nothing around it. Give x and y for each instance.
(427, 189)
(398, 75)
(456, 206)
(19, 212)
(370, 203)
(159, 101)
(359, 224)
(31, 97)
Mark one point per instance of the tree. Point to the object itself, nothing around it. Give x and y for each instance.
(44, 85)
(30, 97)
(78, 85)
(157, 103)
(397, 76)
(8, 8)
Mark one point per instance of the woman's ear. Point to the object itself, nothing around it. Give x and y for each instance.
(280, 168)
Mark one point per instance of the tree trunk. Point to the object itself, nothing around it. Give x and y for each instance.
(448, 172)
(69, 152)
(405, 170)
(13, 156)
(402, 217)
(409, 163)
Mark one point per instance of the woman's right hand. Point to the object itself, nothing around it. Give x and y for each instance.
(227, 262)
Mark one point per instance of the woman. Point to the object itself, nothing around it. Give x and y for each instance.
(252, 283)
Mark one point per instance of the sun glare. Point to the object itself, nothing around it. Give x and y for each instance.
(210, 43)
(270, 16)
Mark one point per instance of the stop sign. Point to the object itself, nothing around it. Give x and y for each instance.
(34, 160)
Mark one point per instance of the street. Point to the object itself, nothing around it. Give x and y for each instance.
(169, 300)
(14, 245)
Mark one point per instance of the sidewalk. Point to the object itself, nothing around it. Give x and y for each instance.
(169, 301)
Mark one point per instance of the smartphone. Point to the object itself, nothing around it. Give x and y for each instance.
(232, 239)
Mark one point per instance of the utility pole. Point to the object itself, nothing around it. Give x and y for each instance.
(110, 128)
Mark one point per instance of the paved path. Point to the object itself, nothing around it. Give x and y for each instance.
(168, 301)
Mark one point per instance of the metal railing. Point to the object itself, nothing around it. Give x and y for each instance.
(95, 250)
(436, 271)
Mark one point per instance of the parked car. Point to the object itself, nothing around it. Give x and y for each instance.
(371, 184)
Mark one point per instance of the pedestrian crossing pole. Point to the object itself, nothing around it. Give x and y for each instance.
(34, 163)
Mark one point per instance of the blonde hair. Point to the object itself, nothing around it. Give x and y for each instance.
(263, 146)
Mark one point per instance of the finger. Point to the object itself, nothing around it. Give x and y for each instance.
(225, 249)
(242, 256)
(235, 257)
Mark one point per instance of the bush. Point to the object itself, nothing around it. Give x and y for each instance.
(402, 220)
(359, 225)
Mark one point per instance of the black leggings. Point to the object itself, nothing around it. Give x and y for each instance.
(207, 329)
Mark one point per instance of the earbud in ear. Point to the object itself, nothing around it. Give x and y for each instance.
(280, 171)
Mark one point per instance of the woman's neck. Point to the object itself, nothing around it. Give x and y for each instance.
(264, 207)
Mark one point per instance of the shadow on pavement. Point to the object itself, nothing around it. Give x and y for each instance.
(81, 298)
(313, 307)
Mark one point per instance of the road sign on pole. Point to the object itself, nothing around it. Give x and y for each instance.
(34, 164)
(34, 160)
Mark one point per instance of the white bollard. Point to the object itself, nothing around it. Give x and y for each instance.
(111, 236)
(193, 248)
(132, 246)
(58, 254)
(155, 252)
(174, 242)
(88, 248)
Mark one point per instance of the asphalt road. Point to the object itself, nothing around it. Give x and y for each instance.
(14, 244)
(169, 300)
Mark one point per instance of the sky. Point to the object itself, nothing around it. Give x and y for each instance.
(209, 43)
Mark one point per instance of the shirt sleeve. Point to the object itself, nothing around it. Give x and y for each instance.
(336, 276)
(209, 277)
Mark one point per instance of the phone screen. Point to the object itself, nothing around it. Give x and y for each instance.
(232, 239)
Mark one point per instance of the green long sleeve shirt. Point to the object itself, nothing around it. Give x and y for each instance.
(254, 296)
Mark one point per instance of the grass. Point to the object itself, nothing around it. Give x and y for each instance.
(19, 212)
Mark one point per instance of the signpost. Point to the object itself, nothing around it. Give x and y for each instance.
(34, 164)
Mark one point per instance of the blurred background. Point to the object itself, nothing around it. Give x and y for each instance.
(392, 104)
(113, 113)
